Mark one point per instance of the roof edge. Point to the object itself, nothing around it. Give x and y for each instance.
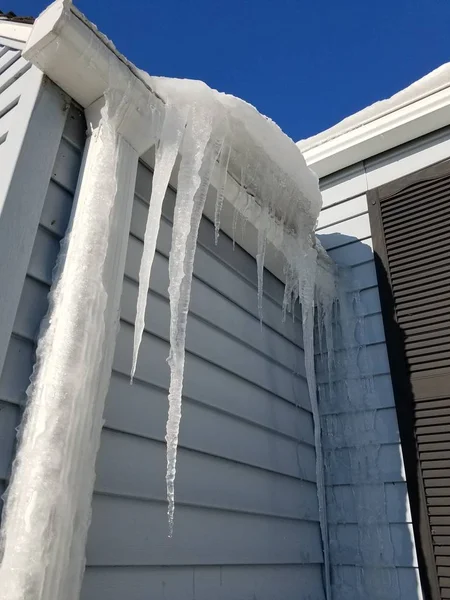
(416, 111)
(15, 31)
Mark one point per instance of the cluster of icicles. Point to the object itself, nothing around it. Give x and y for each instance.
(219, 136)
(220, 139)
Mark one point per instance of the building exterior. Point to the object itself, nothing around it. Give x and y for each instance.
(247, 522)
(384, 175)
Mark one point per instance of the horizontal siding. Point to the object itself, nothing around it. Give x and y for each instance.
(135, 532)
(368, 508)
(13, 85)
(205, 582)
(33, 303)
(354, 583)
(387, 503)
(231, 485)
(353, 544)
(245, 489)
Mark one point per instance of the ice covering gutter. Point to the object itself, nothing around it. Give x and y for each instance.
(421, 108)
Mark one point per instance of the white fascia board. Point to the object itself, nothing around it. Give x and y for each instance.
(419, 118)
(82, 62)
(18, 32)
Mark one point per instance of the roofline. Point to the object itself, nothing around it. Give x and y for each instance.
(422, 115)
(18, 32)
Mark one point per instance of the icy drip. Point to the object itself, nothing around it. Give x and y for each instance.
(276, 193)
(260, 256)
(44, 527)
(193, 183)
(223, 173)
(352, 455)
(166, 154)
(307, 297)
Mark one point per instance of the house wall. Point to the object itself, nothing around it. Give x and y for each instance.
(246, 519)
(36, 232)
(372, 544)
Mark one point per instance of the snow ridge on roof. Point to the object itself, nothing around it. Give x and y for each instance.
(429, 84)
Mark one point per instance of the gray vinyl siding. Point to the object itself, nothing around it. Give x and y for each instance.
(246, 519)
(368, 435)
(33, 303)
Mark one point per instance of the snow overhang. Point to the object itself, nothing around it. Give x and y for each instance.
(419, 109)
(84, 63)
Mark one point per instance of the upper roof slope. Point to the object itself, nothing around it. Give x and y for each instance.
(427, 85)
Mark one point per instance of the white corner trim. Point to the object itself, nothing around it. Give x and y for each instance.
(409, 122)
(81, 61)
(16, 32)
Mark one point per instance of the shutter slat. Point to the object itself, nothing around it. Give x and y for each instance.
(429, 341)
(417, 264)
(422, 204)
(439, 501)
(420, 221)
(404, 246)
(409, 193)
(433, 406)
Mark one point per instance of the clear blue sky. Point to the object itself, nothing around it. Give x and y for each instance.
(305, 64)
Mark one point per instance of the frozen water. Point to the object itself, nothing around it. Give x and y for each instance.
(47, 511)
(223, 173)
(277, 193)
(166, 154)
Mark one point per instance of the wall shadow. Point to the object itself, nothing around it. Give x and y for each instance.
(360, 259)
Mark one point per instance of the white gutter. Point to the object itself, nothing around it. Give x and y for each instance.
(84, 63)
(422, 116)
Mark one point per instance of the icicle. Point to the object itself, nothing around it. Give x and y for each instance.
(223, 173)
(166, 154)
(193, 183)
(306, 287)
(260, 256)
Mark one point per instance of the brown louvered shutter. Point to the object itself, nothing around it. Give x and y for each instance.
(410, 221)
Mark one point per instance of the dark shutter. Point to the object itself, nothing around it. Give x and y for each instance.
(410, 221)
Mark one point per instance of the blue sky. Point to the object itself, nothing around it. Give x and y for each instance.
(305, 64)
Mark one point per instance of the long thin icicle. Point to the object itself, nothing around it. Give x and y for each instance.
(196, 138)
(166, 154)
(260, 256)
(307, 287)
(223, 169)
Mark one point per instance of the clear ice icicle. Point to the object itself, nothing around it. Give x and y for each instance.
(166, 154)
(193, 185)
(307, 286)
(260, 256)
(223, 172)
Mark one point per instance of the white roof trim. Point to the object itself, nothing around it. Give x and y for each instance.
(85, 64)
(421, 108)
(18, 32)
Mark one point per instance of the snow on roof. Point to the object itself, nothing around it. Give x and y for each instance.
(435, 81)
